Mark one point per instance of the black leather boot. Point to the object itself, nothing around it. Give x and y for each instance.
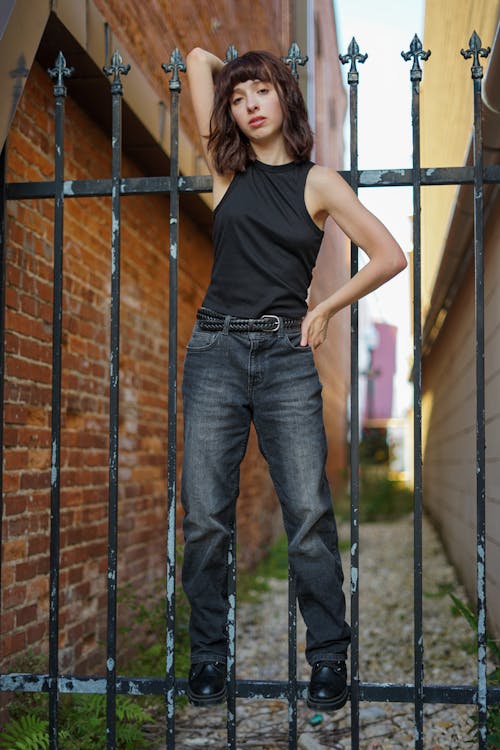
(328, 686)
(207, 683)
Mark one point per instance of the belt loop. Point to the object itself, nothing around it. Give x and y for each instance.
(227, 319)
(281, 328)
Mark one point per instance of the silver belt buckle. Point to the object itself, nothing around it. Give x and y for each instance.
(277, 323)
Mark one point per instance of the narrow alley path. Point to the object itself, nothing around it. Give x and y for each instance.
(386, 646)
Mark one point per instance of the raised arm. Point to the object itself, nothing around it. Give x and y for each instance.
(201, 68)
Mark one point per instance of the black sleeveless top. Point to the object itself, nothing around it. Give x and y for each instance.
(265, 243)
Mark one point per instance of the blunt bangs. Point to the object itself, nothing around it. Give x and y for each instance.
(249, 67)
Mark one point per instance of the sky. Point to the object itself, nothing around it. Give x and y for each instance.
(383, 29)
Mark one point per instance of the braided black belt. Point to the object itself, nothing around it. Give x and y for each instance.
(210, 320)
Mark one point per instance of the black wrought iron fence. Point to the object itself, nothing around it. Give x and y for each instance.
(291, 691)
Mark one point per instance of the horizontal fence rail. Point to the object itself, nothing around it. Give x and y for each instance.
(291, 690)
(367, 178)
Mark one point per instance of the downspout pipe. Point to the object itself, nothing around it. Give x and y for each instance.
(458, 250)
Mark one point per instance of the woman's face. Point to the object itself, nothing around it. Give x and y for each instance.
(256, 109)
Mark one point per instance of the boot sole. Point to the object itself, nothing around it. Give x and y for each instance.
(209, 700)
(332, 704)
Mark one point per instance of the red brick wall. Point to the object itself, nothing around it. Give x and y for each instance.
(143, 384)
(152, 29)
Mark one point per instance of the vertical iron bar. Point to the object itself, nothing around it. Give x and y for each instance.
(3, 268)
(115, 69)
(231, 54)
(417, 53)
(172, 417)
(231, 637)
(56, 428)
(174, 66)
(59, 72)
(354, 457)
(353, 56)
(418, 645)
(476, 50)
(292, 59)
(292, 661)
(480, 418)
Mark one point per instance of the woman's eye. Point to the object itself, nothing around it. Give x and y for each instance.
(263, 90)
(236, 101)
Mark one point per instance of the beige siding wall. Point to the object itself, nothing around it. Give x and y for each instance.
(449, 413)
(446, 112)
(449, 381)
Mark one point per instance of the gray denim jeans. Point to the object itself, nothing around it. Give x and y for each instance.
(230, 380)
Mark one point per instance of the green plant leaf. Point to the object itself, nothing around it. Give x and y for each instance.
(493, 722)
(26, 733)
(471, 618)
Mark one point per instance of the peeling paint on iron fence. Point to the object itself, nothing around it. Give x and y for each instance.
(116, 69)
(59, 72)
(475, 50)
(354, 56)
(417, 53)
(291, 690)
(174, 66)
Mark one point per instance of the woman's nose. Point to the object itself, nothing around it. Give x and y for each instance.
(251, 105)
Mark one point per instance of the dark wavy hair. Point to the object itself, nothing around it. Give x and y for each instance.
(229, 148)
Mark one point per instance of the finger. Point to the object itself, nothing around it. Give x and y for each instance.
(304, 337)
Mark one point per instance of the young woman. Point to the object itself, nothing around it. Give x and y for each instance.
(250, 357)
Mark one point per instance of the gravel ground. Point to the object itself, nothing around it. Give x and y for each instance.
(386, 654)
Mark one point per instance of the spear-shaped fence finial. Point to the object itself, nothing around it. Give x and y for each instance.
(416, 51)
(175, 65)
(476, 51)
(295, 58)
(116, 69)
(60, 71)
(353, 56)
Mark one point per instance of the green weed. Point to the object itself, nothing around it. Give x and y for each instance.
(82, 724)
(380, 498)
(493, 679)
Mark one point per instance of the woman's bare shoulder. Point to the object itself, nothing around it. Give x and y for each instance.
(328, 187)
(322, 177)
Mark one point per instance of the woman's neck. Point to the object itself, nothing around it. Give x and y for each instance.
(273, 154)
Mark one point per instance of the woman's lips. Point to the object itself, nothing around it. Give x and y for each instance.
(256, 121)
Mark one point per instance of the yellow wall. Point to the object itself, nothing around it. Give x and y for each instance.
(448, 378)
(446, 111)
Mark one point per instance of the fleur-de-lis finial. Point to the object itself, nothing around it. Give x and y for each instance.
(416, 52)
(175, 65)
(353, 56)
(295, 58)
(476, 51)
(60, 71)
(116, 69)
(231, 53)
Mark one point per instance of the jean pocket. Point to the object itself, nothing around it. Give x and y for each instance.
(201, 341)
(293, 338)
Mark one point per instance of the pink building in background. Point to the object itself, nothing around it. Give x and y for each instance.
(380, 376)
